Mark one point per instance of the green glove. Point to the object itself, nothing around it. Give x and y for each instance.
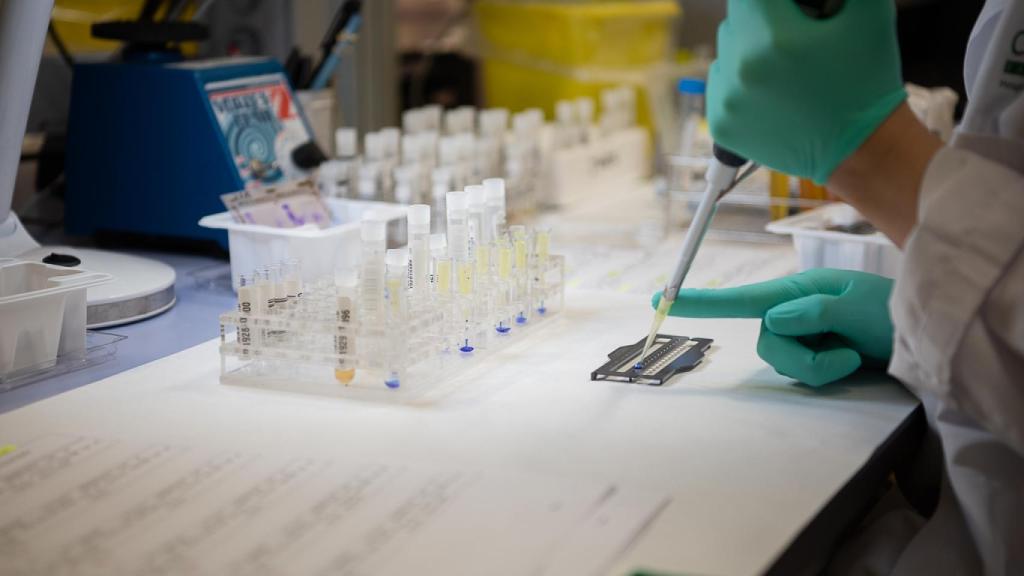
(797, 94)
(818, 326)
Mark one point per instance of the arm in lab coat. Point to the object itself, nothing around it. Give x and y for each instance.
(958, 305)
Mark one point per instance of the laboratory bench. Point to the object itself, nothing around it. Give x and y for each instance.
(763, 476)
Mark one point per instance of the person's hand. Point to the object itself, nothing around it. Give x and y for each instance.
(797, 94)
(818, 326)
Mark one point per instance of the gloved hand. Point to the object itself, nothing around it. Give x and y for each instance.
(818, 326)
(797, 94)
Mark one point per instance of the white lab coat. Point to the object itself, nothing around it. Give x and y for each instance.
(958, 310)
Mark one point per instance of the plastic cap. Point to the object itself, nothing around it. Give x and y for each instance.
(564, 111)
(476, 195)
(438, 242)
(346, 142)
(585, 109)
(373, 228)
(410, 148)
(448, 150)
(419, 217)
(457, 200)
(441, 177)
(390, 138)
(692, 86)
(397, 257)
(494, 190)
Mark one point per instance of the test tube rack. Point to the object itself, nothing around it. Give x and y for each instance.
(322, 336)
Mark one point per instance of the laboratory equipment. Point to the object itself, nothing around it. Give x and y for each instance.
(411, 315)
(457, 228)
(834, 236)
(721, 178)
(42, 312)
(175, 135)
(669, 355)
(140, 287)
(321, 250)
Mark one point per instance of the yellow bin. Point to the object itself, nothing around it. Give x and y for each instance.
(536, 53)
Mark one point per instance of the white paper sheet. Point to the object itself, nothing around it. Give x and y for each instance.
(87, 505)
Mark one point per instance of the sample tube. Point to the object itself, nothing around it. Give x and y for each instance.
(397, 320)
(344, 340)
(494, 209)
(542, 250)
(371, 274)
(440, 182)
(478, 235)
(247, 295)
(397, 262)
(520, 246)
(418, 227)
(438, 249)
(291, 276)
(504, 287)
(466, 305)
(457, 229)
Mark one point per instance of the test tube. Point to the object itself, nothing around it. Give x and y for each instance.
(494, 209)
(368, 181)
(432, 117)
(440, 184)
(346, 143)
(373, 234)
(291, 275)
(505, 287)
(405, 184)
(478, 235)
(466, 306)
(439, 255)
(247, 295)
(542, 251)
(397, 261)
(457, 204)
(345, 315)
(418, 227)
(442, 285)
(520, 246)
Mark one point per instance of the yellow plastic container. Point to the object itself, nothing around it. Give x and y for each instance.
(536, 53)
(606, 34)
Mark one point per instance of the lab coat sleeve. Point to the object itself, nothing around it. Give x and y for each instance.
(958, 305)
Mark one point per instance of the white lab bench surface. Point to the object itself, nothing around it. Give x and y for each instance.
(747, 458)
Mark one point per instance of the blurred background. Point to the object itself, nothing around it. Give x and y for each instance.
(450, 52)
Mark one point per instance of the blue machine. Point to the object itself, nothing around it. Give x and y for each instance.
(153, 145)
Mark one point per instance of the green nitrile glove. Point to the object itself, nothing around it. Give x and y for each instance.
(818, 326)
(797, 94)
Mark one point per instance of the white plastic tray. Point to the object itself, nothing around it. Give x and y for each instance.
(42, 312)
(322, 251)
(819, 247)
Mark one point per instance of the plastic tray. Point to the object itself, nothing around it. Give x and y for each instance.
(819, 245)
(322, 251)
(42, 312)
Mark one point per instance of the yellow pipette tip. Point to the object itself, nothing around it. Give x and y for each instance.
(659, 316)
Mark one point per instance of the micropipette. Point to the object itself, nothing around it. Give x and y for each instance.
(721, 176)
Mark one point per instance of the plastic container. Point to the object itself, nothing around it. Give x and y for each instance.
(821, 242)
(42, 313)
(322, 251)
(537, 53)
(603, 34)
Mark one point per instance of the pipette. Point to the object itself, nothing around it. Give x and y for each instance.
(721, 176)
